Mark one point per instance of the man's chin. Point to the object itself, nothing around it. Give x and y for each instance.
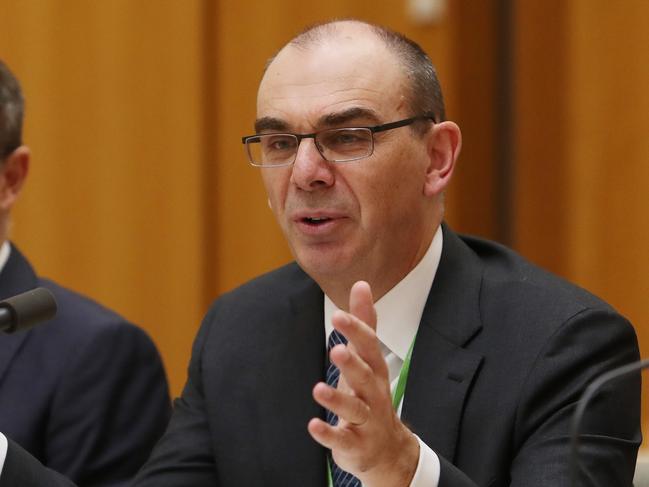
(323, 265)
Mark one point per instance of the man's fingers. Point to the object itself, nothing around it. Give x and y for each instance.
(331, 437)
(361, 338)
(357, 375)
(322, 432)
(346, 406)
(361, 303)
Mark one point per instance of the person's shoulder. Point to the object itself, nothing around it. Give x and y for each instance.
(74, 306)
(79, 317)
(513, 277)
(267, 292)
(283, 281)
(259, 304)
(534, 307)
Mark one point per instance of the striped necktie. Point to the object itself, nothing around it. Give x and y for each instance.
(340, 477)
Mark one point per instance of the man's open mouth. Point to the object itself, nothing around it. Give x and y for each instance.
(316, 220)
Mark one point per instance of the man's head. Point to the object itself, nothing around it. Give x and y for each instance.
(373, 218)
(422, 90)
(14, 157)
(11, 112)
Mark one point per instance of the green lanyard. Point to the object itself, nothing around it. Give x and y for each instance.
(397, 396)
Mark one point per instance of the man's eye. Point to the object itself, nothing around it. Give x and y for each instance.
(345, 137)
(279, 143)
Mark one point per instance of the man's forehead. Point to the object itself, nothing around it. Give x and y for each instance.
(330, 77)
(342, 35)
(327, 107)
(344, 49)
(330, 51)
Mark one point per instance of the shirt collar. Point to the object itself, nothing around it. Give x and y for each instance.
(5, 250)
(399, 311)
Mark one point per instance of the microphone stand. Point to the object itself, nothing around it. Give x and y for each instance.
(588, 394)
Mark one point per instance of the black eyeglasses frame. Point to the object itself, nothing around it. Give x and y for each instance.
(299, 137)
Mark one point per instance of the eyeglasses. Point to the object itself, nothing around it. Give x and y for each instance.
(334, 145)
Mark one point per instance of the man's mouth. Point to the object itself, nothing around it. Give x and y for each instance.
(316, 220)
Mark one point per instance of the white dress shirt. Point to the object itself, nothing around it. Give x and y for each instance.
(5, 250)
(398, 315)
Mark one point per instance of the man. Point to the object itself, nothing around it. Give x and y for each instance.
(85, 393)
(492, 353)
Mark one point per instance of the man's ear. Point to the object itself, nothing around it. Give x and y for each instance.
(13, 172)
(444, 144)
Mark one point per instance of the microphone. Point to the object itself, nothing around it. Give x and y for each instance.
(26, 310)
(588, 394)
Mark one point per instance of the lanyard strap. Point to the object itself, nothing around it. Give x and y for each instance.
(397, 396)
(400, 390)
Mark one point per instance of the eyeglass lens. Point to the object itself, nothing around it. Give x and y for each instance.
(335, 145)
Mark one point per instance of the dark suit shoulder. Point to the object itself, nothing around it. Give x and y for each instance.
(80, 318)
(269, 289)
(512, 275)
(526, 312)
(540, 341)
(85, 392)
(261, 309)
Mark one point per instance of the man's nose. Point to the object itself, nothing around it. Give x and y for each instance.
(310, 170)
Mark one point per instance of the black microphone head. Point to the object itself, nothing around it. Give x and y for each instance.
(28, 309)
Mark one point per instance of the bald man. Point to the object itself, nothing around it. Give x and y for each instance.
(393, 352)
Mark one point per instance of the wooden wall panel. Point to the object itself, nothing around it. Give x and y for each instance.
(609, 154)
(540, 170)
(113, 205)
(582, 148)
(471, 94)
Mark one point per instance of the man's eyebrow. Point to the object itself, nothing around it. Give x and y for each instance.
(349, 115)
(270, 124)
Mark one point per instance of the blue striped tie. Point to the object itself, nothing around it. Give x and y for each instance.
(339, 476)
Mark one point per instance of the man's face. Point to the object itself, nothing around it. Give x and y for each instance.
(366, 219)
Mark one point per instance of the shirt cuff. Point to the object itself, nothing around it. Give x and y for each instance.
(427, 473)
(3, 451)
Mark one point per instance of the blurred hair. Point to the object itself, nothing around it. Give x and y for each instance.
(12, 107)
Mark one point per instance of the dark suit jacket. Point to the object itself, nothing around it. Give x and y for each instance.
(85, 393)
(503, 352)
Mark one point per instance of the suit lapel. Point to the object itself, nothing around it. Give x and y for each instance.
(292, 457)
(16, 277)
(441, 371)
